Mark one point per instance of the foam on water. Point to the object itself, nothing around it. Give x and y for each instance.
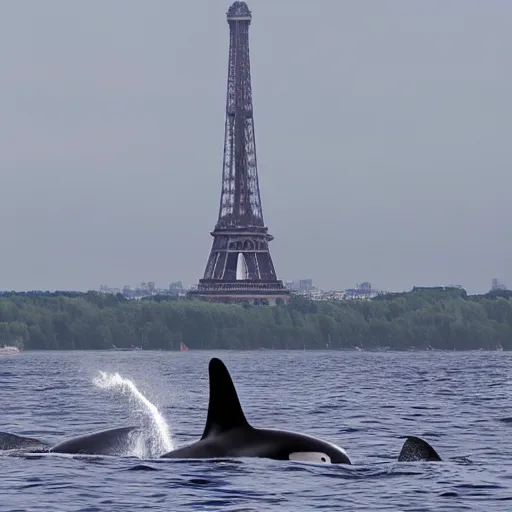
(161, 440)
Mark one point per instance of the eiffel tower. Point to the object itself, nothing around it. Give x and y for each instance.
(239, 267)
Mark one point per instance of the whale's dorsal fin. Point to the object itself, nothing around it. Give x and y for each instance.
(416, 449)
(224, 409)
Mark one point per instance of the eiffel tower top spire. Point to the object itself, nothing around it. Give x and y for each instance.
(239, 11)
(240, 202)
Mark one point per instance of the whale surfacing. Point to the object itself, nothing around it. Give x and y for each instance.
(416, 449)
(113, 441)
(227, 432)
(16, 442)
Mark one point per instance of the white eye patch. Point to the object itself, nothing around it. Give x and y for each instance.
(318, 457)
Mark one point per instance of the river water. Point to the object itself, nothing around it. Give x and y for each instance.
(362, 401)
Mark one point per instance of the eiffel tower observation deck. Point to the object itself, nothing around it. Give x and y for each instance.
(239, 267)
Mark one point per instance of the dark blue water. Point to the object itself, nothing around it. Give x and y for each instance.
(362, 401)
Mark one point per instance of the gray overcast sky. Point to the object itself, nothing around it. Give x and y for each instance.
(382, 129)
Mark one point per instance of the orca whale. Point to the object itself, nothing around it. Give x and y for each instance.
(113, 441)
(227, 432)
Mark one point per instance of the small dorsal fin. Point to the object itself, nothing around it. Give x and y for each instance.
(224, 409)
(416, 449)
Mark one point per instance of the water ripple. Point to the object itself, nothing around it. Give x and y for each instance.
(366, 402)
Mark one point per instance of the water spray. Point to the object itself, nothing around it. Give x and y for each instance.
(162, 441)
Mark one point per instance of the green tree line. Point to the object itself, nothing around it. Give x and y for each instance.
(433, 318)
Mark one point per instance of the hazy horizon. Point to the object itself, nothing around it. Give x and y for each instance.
(382, 135)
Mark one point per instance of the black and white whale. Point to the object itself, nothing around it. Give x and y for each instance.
(228, 434)
(114, 441)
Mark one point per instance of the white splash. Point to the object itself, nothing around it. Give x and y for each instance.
(161, 430)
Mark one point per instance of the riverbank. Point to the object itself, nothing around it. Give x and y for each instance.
(445, 319)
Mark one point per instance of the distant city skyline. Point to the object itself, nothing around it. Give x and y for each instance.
(494, 284)
(382, 139)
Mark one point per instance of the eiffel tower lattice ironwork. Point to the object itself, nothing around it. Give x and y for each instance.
(239, 267)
